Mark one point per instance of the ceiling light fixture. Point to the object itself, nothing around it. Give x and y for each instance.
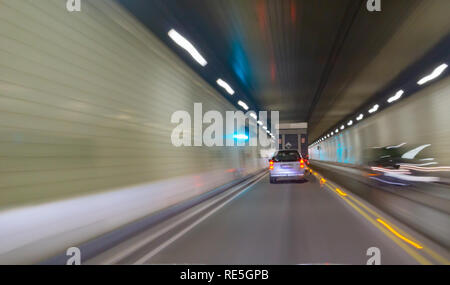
(185, 44)
(436, 72)
(397, 96)
(225, 86)
(374, 109)
(243, 105)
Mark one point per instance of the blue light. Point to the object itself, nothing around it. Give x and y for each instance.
(240, 62)
(240, 136)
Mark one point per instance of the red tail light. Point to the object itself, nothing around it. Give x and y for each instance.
(271, 164)
(301, 161)
(302, 165)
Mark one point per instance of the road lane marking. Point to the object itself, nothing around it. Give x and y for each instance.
(399, 235)
(161, 247)
(340, 192)
(136, 246)
(419, 258)
(429, 251)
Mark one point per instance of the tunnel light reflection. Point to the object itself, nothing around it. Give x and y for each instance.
(395, 146)
(243, 105)
(436, 72)
(374, 109)
(264, 127)
(185, 44)
(240, 136)
(388, 182)
(426, 169)
(404, 174)
(253, 115)
(360, 117)
(397, 96)
(225, 86)
(412, 153)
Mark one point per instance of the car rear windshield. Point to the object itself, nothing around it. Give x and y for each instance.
(287, 156)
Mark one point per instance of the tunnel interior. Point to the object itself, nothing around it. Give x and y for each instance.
(224, 131)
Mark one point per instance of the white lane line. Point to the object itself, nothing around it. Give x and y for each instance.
(129, 250)
(154, 252)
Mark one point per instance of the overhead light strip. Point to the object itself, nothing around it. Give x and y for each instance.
(185, 44)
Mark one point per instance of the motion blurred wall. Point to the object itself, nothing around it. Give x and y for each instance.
(85, 105)
(420, 119)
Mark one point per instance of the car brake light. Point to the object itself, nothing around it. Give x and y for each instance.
(271, 164)
(301, 161)
(302, 165)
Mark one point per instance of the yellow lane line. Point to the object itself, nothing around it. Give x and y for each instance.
(340, 192)
(399, 235)
(430, 252)
(419, 258)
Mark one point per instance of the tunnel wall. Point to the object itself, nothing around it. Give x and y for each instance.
(420, 119)
(86, 100)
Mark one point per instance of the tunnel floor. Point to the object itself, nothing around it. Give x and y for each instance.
(284, 223)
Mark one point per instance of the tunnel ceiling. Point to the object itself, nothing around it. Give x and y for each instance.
(315, 61)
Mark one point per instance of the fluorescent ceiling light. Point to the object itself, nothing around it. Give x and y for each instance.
(332, 133)
(184, 43)
(253, 115)
(360, 117)
(264, 127)
(436, 72)
(350, 123)
(336, 131)
(243, 105)
(397, 96)
(342, 127)
(225, 86)
(374, 109)
(260, 123)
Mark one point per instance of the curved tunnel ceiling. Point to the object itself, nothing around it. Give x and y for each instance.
(315, 61)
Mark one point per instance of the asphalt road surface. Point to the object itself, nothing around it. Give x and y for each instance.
(286, 223)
